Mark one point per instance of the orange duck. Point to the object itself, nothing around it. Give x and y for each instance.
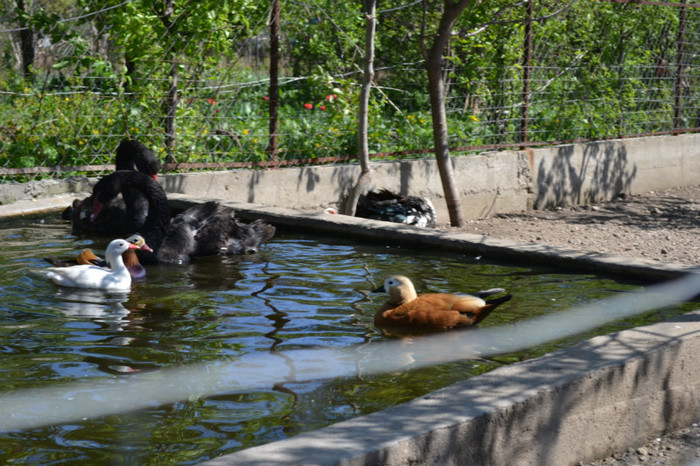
(84, 257)
(435, 310)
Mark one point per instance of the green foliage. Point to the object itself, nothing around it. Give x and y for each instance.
(323, 37)
(594, 73)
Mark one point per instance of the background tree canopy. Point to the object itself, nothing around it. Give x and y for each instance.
(191, 78)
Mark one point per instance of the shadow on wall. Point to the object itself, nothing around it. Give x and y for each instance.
(310, 177)
(601, 172)
(174, 183)
(254, 181)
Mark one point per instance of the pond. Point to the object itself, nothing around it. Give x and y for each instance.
(298, 292)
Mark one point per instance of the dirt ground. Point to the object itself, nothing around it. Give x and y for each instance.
(660, 226)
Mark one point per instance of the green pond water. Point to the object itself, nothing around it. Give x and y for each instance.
(297, 292)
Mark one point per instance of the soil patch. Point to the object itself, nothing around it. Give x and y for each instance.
(662, 226)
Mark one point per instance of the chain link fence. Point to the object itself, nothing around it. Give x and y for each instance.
(193, 83)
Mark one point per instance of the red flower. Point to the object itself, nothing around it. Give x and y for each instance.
(331, 97)
(211, 101)
(266, 98)
(322, 107)
(309, 106)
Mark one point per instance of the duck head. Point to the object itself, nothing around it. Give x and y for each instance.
(138, 241)
(400, 289)
(132, 154)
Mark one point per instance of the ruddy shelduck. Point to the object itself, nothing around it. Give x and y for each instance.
(434, 310)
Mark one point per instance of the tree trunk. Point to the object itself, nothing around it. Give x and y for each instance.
(166, 17)
(129, 73)
(363, 182)
(436, 89)
(171, 111)
(274, 75)
(26, 41)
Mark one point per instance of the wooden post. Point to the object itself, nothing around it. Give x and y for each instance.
(272, 147)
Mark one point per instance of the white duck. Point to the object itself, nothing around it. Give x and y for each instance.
(117, 278)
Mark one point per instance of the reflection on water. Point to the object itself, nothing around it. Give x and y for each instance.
(297, 293)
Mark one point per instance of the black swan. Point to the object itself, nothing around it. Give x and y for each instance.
(202, 230)
(131, 155)
(390, 207)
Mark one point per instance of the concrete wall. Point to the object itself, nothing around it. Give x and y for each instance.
(489, 184)
(585, 173)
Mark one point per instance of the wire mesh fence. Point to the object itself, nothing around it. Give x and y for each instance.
(192, 81)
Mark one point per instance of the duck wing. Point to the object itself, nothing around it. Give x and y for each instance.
(376, 204)
(222, 233)
(387, 206)
(56, 262)
(179, 242)
(88, 276)
(440, 310)
(486, 293)
(85, 257)
(419, 211)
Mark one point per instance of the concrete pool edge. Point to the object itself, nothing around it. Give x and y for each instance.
(372, 230)
(576, 404)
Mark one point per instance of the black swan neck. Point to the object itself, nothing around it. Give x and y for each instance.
(158, 217)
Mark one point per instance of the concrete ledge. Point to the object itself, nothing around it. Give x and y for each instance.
(576, 404)
(38, 205)
(372, 230)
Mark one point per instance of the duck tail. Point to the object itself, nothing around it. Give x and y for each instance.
(498, 301)
(486, 293)
(55, 261)
(491, 304)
